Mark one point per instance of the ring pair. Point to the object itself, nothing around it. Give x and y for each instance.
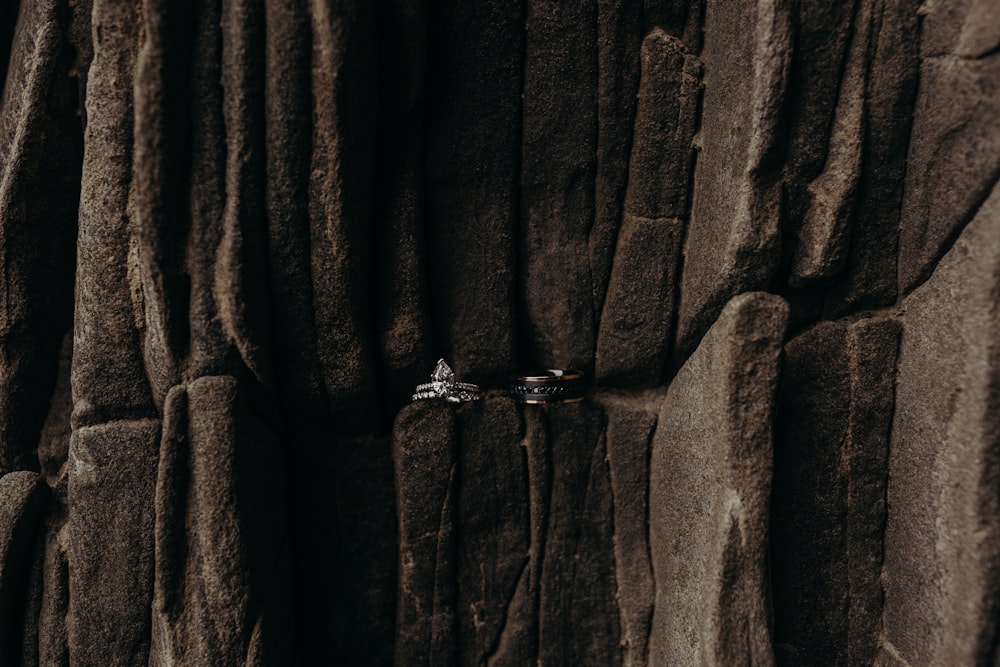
(550, 386)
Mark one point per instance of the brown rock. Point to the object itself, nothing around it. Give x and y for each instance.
(475, 62)
(52, 647)
(40, 156)
(638, 320)
(424, 453)
(210, 351)
(22, 505)
(578, 616)
(112, 482)
(869, 277)
(221, 588)
(710, 484)
(558, 171)
(629, 434)
(402, 313)
(340, 196)
(494, 547)
(824, 234)
(619, 34)
(239, 288)
(108, 377)
(828, 502)
(666, 118)
(680, 18)
(733, 235)
(159, 167)
(636, 326)
(942, 541)
(954, 156)
(819, 59)
(364, 534)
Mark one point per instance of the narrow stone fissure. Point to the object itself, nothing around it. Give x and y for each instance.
(646, 519)
(883, 638)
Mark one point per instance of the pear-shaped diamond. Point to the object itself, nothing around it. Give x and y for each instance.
(443, 373)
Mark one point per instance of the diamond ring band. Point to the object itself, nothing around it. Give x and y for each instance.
(443, 385)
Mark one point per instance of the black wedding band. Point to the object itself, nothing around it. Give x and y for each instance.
(549, 386)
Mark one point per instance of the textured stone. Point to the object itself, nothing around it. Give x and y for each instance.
(52, 647)
(638, 318)
(636, 326)
(680, 18)
(824, 234)
(578, 617)
(558, 171)
(475, 61)
(159, 221)
(210, 351)
(108, 377)
(733, 236)
(30, 617)
(40, 156)
(666, 118)
(299, 382)
(822, 39)
(869, 277)
(619, 25)
(954, 156)
(629, 433)
(834, 411)
(22, 505)
(222, 591)
(340, 196)
(709, 492)
(942, 542)
(364, 533)
(424, 455)
(112, 483)
(493, 550)
(402, 315)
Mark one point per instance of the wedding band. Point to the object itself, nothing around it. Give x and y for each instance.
(443, 385)
(550, 386)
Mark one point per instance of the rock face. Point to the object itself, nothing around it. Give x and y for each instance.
(956, 125)
(828, 504)
(636, 327)
(236, 234)
(732, 243)
(709, 485)
(22, 499)
(942, 543)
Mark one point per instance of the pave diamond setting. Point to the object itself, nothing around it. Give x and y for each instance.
(443, 384)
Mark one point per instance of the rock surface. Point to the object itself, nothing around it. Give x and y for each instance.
(424, 449)
(629, 436)
(732, 243)
(475, 64)
(942, 541)
(828, 509)
(709, 490)
(636, 325)
(558, 172)
(235, 234)
(221, 591)
(22, 509)
(954, 158)
(869, 277)
(493, 552)
(40, 153)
